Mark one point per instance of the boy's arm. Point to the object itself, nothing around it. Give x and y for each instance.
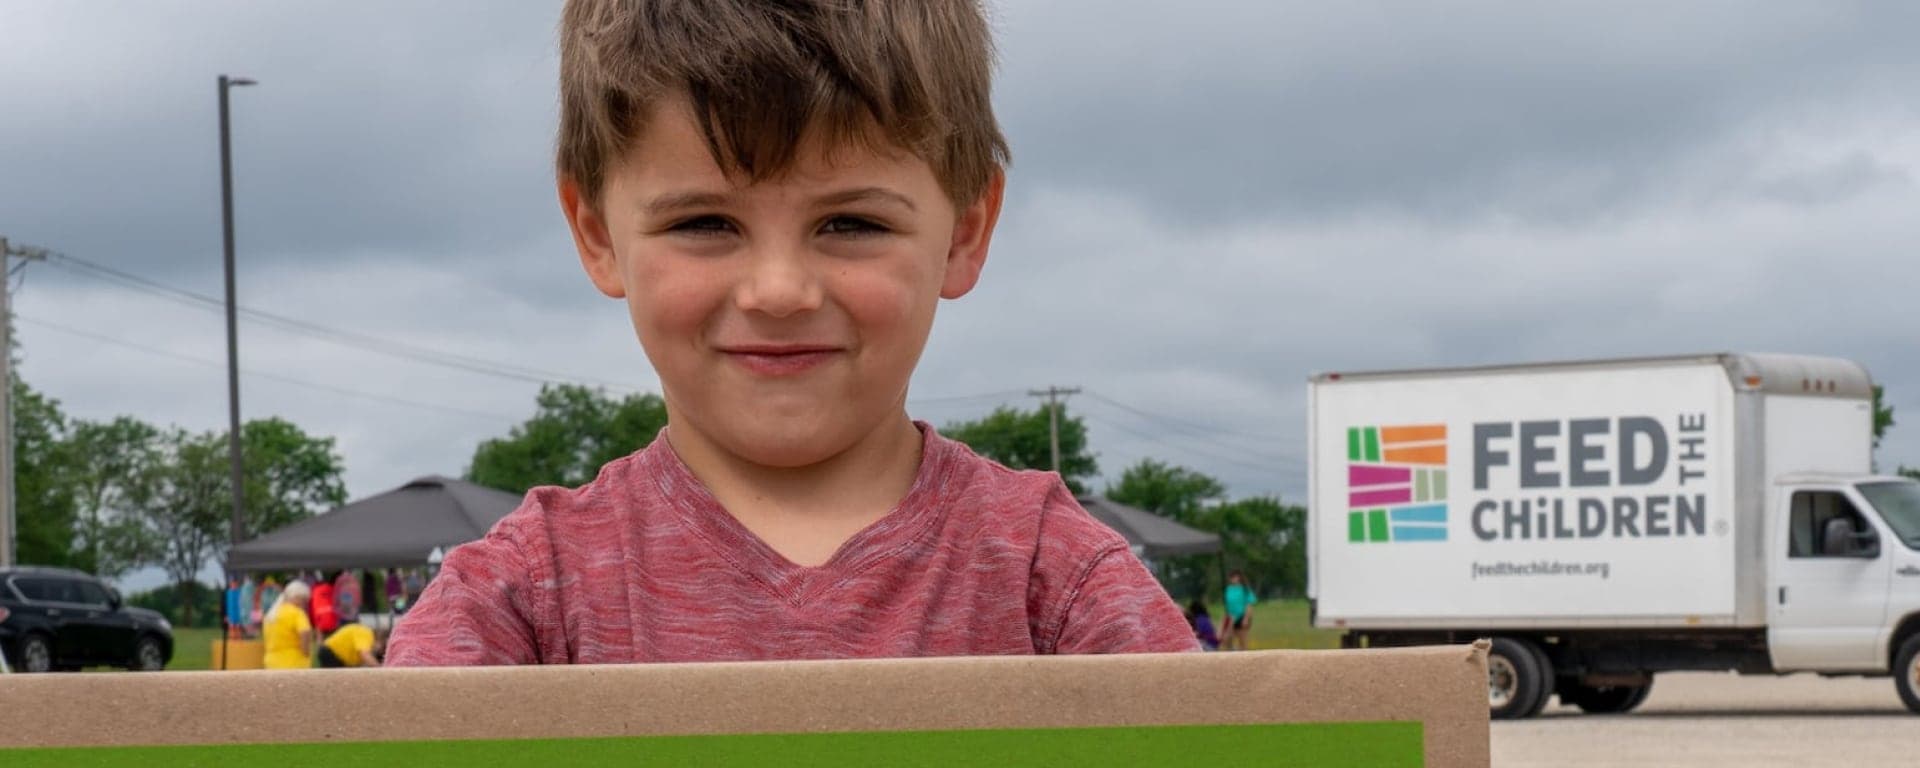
(478, 611)
(1118, 607)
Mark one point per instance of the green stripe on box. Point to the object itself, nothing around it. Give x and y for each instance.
(1373, 444)
(1356, 526)
(1439, 485)
(1277, 744)
(1420, 485)
(1353, 443)
(1377, 525)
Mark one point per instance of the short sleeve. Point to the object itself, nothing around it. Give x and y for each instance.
(478, 611)
(1118, 607)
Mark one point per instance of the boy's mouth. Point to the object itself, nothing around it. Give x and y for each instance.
(780, 359)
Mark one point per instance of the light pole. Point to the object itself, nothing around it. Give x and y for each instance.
(236, 529)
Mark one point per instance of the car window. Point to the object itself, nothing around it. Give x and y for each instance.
(32, 588)
(90, 593)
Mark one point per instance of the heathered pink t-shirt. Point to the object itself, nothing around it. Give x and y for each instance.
(644, 565)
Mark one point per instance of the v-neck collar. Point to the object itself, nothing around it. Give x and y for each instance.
(694, 504)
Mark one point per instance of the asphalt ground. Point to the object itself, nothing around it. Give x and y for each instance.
(1711, 719)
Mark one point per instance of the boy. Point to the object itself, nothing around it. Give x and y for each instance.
(782, 193)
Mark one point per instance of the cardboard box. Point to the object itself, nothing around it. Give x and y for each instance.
(1399, 707)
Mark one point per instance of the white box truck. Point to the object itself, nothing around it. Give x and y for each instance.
(1605, 521)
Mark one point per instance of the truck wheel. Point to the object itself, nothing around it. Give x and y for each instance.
(1607, 699)
(1906, 673)
(1514, 683)
(1546, 679)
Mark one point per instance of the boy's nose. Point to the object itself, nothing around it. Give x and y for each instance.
(779, 282)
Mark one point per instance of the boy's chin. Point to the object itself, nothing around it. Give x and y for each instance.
(788, 443)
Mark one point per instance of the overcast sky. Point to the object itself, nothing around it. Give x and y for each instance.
(1209, 201)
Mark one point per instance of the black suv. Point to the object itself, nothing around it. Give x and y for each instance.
(58, 619)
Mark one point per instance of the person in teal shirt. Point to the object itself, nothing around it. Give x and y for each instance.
(1240, 602)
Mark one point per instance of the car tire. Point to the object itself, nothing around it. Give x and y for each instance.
(1513, 679)
(1906, 673)
(36, 654)
(148, 655)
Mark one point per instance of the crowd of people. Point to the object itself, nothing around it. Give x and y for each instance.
(314, 620)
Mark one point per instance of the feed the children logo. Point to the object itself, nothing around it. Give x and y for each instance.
(1397, 483)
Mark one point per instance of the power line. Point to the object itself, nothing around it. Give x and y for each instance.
(1197, 444)
(364, 342)
(1201, 430)
(1236, 461)
(104, 339)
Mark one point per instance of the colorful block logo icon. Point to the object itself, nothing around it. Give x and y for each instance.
(1397, 483)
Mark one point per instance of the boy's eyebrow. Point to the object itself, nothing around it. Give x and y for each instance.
(868, 194)
(675, 201)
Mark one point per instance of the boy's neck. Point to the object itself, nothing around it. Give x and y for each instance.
(806, 513)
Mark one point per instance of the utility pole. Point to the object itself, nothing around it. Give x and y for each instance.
(8, 520)
(236, 530)
(1053, 395)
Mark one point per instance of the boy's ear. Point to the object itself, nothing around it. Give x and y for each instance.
(972, 233)
(591, 237)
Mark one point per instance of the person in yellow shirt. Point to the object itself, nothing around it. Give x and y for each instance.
(287, 633)
(352, 645)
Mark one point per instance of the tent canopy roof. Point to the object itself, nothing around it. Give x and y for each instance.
(1154, 535)
(396, 529)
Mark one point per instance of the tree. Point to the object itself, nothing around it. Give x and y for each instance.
(1021, 440)
(1164, 489)
(185, 506)
(105, 460)
(574, 431)
(1265, 539)
(1882, 415)
(287, 474)
(1181, 494)
(45, 507)
(186, 497)
(1910, 472)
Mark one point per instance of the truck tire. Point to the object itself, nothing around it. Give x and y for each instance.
(1906, 673)
(1546, 679)
(1514, 683)
(1607, 699)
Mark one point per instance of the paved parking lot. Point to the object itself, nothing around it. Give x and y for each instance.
(1705, 719)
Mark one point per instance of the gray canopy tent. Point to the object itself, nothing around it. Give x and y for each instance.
(401, 528)
(1151, 535)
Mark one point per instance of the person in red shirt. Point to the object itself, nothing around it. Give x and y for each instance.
(782, 201)
(326, 614)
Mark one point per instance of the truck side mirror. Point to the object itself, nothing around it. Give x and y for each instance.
(1865, 545)
(1839, 538)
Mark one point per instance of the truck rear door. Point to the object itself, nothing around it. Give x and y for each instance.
(1827, 578)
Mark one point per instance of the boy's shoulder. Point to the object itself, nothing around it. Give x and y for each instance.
(1039, 503)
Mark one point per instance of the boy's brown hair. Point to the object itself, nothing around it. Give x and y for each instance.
(762, 74)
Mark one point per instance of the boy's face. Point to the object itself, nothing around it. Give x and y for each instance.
(785, 317)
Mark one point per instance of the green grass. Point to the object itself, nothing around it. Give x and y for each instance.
(193, 648)
(1280, 624)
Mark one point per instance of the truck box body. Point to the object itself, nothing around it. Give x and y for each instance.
(1624, 494)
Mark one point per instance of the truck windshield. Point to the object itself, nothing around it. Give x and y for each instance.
(1899, 505)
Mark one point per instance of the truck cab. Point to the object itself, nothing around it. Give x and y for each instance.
(1843, 568)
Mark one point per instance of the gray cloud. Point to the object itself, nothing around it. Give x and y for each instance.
(1208, 204)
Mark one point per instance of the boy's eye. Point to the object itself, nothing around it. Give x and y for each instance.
(702, 225)
(851, 225)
